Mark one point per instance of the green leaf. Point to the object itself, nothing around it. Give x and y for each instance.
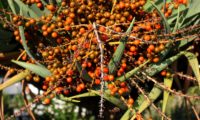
(15, 79)
(68, 99)
(177, 21)
(132, 72)
(12, 6)
(119, 51)
(87, 94)
(186, 41)
(168, 83)
(39, 11)
(156, 68)
(26, 8)
(193, 61)
(41, 71)
(166, 24)
(92, 93)
(84, 73)
(116, 101)
(194, 8)
(21, 31)
(153, 95)
(155, 92)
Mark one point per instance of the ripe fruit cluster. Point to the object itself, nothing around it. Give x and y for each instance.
(69, 48)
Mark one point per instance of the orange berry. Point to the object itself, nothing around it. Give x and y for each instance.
(147, 37)
(105, 70)
(136, 42)
(110, 77)
(102, 29)
(82, 86)
(82, 30)
(123, 66)
(105, 78)
(50, 7)
(163, 73)
(141, 58)
(132, 49)
(156, 59)
(97, 81)
(54, 35)
(69, 79)
(66, 92)
(46, 101)
(67, 28)
(84, 65)
(122, 84)
(151, 47)
(121, 91)
(78, 89)
(110, 86)
(130, 101)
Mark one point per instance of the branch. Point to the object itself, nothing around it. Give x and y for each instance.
(102, 75)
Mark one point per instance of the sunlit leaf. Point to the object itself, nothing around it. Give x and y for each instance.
(15, 79)
(41, 71)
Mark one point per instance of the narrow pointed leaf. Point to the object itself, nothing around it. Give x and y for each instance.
(12, 6)
(84, 73)
(193, 61)
(116, 101)
(87, 94)
(21, 30)
(153, 95)
(132, 72)
(177, 21)
(41, 71)
(23, 6)
(168, 83)
(156, 68)
(14, 79)
(119, 51)
(167, 27)
(68, 99)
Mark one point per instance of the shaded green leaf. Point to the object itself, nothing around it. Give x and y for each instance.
(84, 74)
(156, 68)
(12, 6)
(41, 71)
(193, 61)
(177, 21)
(116, 101)
(153, 95)
(21, 31)
(119, 51)
(166, 24)
(132, 72)
(168, 83)
(26, 8)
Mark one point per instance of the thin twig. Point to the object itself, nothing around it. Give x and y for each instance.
(26, 101)
(194, 109)
(168, 89)
(147, 98)
(190, 78)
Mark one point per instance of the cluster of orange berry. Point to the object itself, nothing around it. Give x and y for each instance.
(65, 42)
